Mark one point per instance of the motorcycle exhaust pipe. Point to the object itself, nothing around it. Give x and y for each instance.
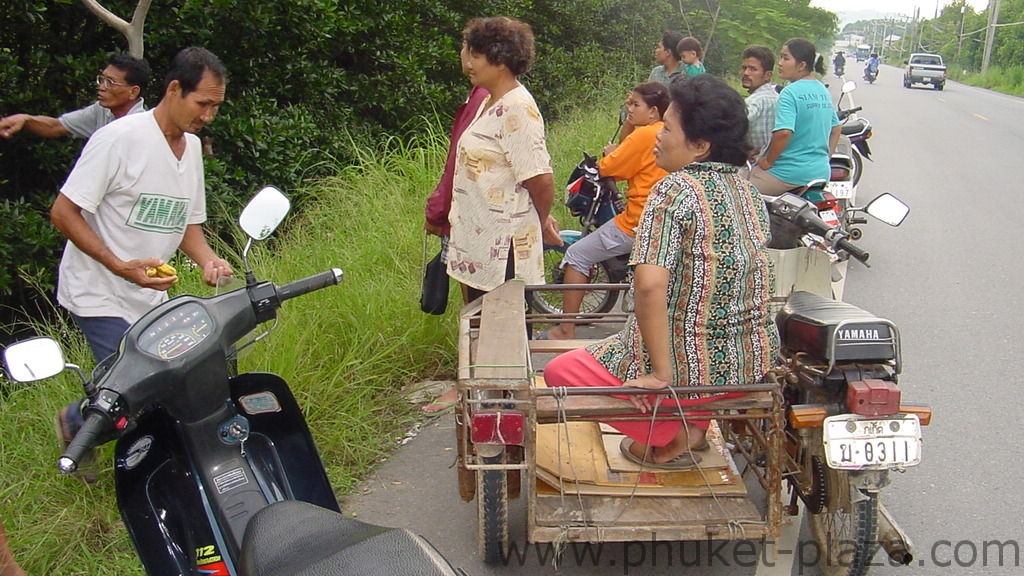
(893, 539)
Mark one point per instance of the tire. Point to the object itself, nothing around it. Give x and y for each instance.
(492, 511)
(846, 526)
(550, 302)
(906, 82)
(939, 87)
(858, 165)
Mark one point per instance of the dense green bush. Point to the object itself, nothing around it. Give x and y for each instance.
(313, 80)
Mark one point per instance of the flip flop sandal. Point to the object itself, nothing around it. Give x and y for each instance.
(684, 461)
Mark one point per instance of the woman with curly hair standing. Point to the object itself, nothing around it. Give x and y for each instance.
(503, 186)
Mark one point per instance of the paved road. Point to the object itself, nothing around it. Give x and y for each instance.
(949, 277)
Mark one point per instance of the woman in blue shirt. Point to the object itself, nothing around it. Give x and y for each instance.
(806, 126)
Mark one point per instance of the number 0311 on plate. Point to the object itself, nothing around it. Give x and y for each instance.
(858, 443)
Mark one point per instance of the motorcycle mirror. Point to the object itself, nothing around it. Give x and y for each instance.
(849, 86)
(33, 359)
(264, 213)
(888, 209)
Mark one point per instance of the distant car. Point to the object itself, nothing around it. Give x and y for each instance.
(925, 69)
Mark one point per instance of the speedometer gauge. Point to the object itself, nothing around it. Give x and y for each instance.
(176, 331)
(175, 344)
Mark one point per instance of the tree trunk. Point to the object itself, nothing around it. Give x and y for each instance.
(133, 31)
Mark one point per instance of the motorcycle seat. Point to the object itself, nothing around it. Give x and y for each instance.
(294, 538)
(831, 330)
(855, 126)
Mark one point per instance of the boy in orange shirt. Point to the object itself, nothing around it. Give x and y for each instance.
(631, 160)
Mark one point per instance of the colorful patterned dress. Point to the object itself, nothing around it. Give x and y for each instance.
(708, 227)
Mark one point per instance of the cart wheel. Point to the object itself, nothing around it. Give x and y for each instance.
(492, 510)
(846, 527)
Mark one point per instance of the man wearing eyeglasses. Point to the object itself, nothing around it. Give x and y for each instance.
(118, 93)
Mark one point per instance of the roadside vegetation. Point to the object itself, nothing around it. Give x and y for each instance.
(1005, 79)
(348, 351)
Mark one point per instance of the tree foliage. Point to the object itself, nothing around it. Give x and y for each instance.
(312, 81)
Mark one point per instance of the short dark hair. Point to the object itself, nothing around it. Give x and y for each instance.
(710, 110)
(655, 94)
(762, 54)
(670, 40)
(136, 70)
(502, 40)
(189, 65)
(690, 43)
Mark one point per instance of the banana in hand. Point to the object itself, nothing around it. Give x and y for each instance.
(161, 271)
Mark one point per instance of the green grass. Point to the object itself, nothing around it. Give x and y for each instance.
(347, 351)
(999, 78)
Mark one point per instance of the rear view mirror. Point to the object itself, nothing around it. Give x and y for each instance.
(33, 359)
(264, 213)
(888, 209)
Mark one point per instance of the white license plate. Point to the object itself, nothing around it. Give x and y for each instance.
(829, 217)
(926, 79)
(859, 443)
(842, 190)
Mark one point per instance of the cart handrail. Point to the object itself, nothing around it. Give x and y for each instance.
(630, 391)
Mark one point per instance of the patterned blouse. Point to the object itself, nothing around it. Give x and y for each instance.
(708, 227)
(492, 215)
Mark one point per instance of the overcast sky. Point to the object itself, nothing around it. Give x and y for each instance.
(905, 7)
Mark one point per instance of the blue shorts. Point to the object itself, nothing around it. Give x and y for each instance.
(103, 333)
(606, 242)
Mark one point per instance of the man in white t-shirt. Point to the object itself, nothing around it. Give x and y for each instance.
(135, 196)
(119, 90)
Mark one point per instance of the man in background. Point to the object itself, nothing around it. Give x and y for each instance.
(119, 90)
(756, 77)
(666, 54)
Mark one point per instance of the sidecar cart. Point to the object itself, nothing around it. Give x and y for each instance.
(516, 437)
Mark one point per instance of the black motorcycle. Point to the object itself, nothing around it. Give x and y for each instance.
(218, 474)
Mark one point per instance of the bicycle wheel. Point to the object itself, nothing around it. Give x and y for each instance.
(550, 301)
(846, 525)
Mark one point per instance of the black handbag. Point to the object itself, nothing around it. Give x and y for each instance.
(434, 297)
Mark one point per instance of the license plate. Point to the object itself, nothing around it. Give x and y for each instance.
(926, 79)
(829, 217)
(859, 443)
(842, 190)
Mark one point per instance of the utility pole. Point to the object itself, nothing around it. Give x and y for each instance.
(960, 38)
(990, 33)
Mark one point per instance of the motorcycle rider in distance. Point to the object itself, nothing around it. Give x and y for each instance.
(871, 69)
(839, 63)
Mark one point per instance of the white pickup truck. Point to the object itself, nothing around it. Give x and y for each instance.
(925, 69)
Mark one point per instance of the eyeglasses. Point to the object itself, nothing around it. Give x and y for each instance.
(102, 81)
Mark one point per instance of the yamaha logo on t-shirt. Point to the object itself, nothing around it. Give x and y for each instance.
(160, 214)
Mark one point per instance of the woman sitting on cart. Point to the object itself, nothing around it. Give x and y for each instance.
(702, 279)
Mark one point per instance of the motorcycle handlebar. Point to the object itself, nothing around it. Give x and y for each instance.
(810, 221)
(84, 440)
(854, 250)
(306, 285)
(844, 113)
